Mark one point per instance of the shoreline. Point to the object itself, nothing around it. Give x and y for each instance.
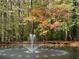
(42, 44)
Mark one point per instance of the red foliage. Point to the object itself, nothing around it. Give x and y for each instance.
(61, 12)
(55, 25)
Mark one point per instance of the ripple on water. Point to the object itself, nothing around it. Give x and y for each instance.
(37, 56)
(12, 55)
(43, 53)
(19, 56)
(2, 50)
(4, 54)
(45, 56)
(28, 56)
(0, 53)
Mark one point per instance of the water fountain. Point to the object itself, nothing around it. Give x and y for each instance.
(32, 47)
(32, 51)
(41, 53)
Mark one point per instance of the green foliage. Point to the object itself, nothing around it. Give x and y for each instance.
(15, 24)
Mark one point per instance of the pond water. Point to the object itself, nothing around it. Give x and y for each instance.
(41, 53)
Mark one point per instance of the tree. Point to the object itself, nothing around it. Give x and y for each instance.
(74, 19)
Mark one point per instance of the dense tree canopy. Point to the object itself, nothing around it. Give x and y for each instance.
(50, 17)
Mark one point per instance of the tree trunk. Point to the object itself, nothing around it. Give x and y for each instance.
(66, 33)
(2, 37)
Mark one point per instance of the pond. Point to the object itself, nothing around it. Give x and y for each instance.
(40, 53)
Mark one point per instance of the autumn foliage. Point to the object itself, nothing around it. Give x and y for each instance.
(55, 25)
(57, 19)
(60, 11)
(39, 13)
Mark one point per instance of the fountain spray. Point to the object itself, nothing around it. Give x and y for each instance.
(32, 46)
